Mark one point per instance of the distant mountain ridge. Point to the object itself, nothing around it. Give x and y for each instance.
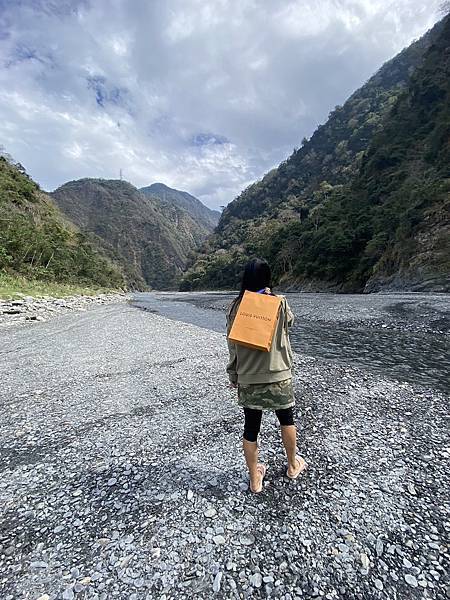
(296, 215)
(150, 238)
(207, 217)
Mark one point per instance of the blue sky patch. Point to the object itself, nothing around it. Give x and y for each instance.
(104, 93)
(206, 139)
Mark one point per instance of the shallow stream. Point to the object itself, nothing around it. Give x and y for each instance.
(402, 336)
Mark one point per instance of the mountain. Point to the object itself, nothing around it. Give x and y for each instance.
(38, 242)
(204, 215)
(150, 238)
(403, 187)
(290, 216)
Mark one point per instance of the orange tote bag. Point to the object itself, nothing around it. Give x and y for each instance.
(255, 321)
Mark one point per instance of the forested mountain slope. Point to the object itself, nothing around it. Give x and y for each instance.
(202, 214)
(285, 215)
(37, 241)
(151, 239)
(398, 208)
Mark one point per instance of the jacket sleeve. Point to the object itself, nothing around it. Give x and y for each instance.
(289, 315)
(231, 366)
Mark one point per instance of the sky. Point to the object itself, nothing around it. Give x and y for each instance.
(203, 95)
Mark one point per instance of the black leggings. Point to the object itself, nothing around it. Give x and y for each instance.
(253, 421)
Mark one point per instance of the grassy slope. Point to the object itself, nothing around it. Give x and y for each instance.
(16, 286)
(38, 245)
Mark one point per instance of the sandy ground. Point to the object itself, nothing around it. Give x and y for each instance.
(122, 474)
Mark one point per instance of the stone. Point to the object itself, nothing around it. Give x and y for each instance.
(378, 584)
(103, 541)
(411, 489)
(365, 560)
(406, 563)
(217, 582)
(247, 539)
(210, 513)
(434, 546)
(126, 561)
(68, 594)
(411, 580)
(39, 564)
(219, 540)
(256, 580)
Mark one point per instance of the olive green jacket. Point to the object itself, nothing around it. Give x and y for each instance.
(247, 365)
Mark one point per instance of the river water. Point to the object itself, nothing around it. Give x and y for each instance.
(402, 336)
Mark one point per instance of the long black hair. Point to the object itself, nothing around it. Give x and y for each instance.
(257, 276)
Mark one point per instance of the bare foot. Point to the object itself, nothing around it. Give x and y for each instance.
(257, 486)
(293, 473)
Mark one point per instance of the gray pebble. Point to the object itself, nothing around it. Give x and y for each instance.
(411, 580)
(217, 582)
(406, 563)
(247, 539)
(68, 594)
(256, 580)
(219, 540)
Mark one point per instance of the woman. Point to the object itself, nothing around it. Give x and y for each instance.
(264, 380)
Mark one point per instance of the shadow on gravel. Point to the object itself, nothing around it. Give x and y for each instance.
(84, 506)
(26, 454)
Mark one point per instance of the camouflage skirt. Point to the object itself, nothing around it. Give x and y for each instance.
(267, 396)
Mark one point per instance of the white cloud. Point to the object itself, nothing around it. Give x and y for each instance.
(202, 96)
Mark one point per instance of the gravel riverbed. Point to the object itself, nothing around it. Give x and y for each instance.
(28, 309)
(122, 474)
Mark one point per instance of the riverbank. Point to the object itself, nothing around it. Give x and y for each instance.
(15, 287)
(27, 309)
(122, 473)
